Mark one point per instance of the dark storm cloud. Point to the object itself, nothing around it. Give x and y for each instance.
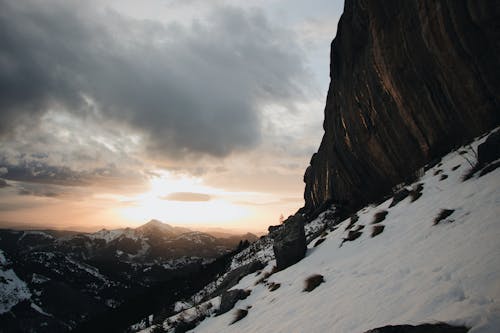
(35, 172)
(31, 172)
(187, 196)
(193, 89)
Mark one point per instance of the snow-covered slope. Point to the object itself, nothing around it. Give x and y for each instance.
(413, 272)
(12, 289)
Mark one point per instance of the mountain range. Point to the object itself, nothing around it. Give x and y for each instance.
(94, 271)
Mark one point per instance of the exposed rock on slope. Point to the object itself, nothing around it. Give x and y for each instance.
(289, 242)
(409, 81)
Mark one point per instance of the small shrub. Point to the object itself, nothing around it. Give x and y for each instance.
(239, 315)
(273, 286)
(319, 241)
(455, 167)
(380, 216)
(354, 219)
(399, 196)
(443, 214)
(437, 172)
(377, 230)
(266, 275)
(352, 235)
(313, 281)
(443, 177)
(416, 192)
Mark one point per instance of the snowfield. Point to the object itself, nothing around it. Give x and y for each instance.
(413, 272)
(12, 289)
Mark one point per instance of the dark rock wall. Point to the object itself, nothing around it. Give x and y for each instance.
(409, 81)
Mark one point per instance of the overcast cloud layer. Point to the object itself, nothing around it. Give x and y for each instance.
(100, 99)
(186, 89)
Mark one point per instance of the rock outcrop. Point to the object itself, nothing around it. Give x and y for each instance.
(229, 299)
(489, 150)
(289, 241)
(410, 80)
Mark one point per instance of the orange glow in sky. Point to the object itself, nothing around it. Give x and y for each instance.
(213, 207)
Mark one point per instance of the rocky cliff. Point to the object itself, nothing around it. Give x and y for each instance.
(409, 81)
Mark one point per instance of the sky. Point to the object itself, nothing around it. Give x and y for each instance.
(196, 113)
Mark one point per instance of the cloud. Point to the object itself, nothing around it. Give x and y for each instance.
(187, 196)
(38, 193)
(38, 177)
(36, 172)
(186, 89)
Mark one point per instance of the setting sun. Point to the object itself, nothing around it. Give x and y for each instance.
(181, 200)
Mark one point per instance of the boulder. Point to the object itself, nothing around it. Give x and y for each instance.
(229, 299)
(489, 150)
(289, 242)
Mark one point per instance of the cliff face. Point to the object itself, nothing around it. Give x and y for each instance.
(409, 81)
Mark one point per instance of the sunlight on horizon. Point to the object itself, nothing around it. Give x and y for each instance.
(156, 204)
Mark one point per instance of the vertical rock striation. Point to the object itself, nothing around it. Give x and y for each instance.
(409, 81)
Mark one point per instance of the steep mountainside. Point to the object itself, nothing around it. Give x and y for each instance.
(52, 281)
(427, 257)
(410, 80)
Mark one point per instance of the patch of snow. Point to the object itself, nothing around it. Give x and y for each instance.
(38, 278)
(12, 290)
(205, 309)
(179, 306)
(40, 310)
(108, 235)
(34, 232)
(3, 259)
(89, 269)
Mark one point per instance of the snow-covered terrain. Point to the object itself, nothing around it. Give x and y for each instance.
(12, 289)
(94, 272)
(413, 272)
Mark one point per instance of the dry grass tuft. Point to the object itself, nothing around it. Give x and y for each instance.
(266, 275)
(273, 286)
(354, 219)
(377, 230)
(379, 216)
(399, 196)
(313, 281)
(443, 214)
(239, 315)
(416, 192)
